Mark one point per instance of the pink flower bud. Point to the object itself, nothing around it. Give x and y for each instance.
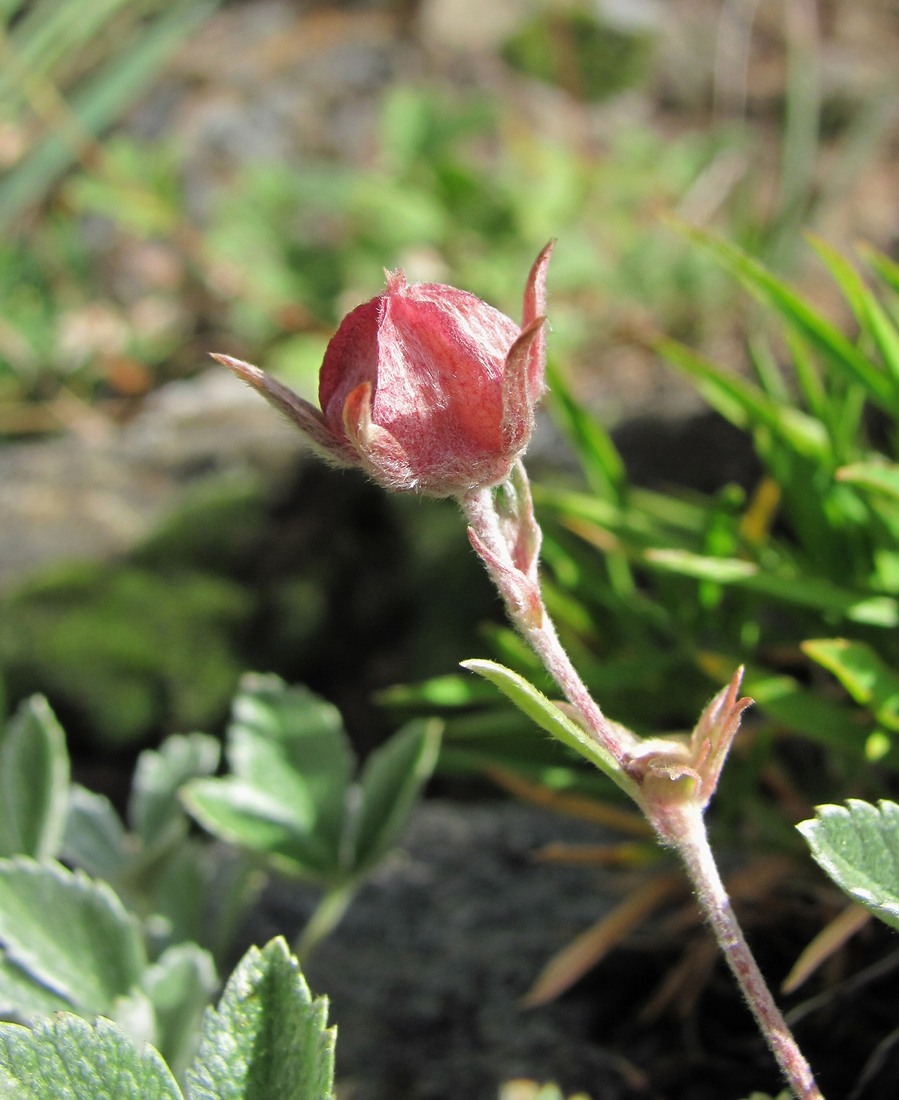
(425, 387)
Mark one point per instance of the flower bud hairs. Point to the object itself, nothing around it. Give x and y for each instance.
(425, 387)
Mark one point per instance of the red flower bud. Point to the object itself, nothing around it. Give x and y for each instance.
(425, 387)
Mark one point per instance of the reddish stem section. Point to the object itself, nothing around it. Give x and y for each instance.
(691, 841)
(519, 593)
(678, 820)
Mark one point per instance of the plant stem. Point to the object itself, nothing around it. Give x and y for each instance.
(509, 547)
(538, 628)
(325, 918)
(691, 841)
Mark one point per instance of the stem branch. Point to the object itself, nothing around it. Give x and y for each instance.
(671, 790)
(324, 919)
(533, 621)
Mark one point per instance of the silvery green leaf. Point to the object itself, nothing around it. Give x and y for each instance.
(69, 934)
(67, 1058)
(858, 846)
(267, 1038)
(154, 808)
(549, 717)
(95, 838)
(179, 985)
(34, 782)
(390, 785)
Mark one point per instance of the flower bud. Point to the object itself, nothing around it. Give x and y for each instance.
(425, 387)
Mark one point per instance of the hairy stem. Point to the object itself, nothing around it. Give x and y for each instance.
(671, 794)
(691, 841)
(532, 619)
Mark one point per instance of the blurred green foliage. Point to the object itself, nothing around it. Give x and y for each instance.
(294, 802)
(128, 649)
(100, 910)
(151, 642)
(70, 69)
(462, 188)
(578, 50)
(351, 592)
(459, 192)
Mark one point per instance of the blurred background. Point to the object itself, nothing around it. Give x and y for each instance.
(179, 177)
(185, 177)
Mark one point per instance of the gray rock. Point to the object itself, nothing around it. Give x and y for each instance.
(94, 498)
(426, 973)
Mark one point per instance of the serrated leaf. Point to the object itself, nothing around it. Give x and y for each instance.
(66, 1058)
(862, 672)
(69, 934)
(95, 838)
(154, 807)
(200, 893)
(267, 1038)
(549, 717)
(307, 731)
(390, 784)
(858, 846)
(34, 782)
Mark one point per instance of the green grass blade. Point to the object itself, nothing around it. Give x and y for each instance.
(598, 455)
(819, 333)
(599, 458)
(98, 105)
(863, 673)
(768, 369)
(52, 32)
(8, 8)
(808, 377)
(801, 710)
(886, 268)
(805, 591)
(878, 477)
(746, 406)
(871, 316)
